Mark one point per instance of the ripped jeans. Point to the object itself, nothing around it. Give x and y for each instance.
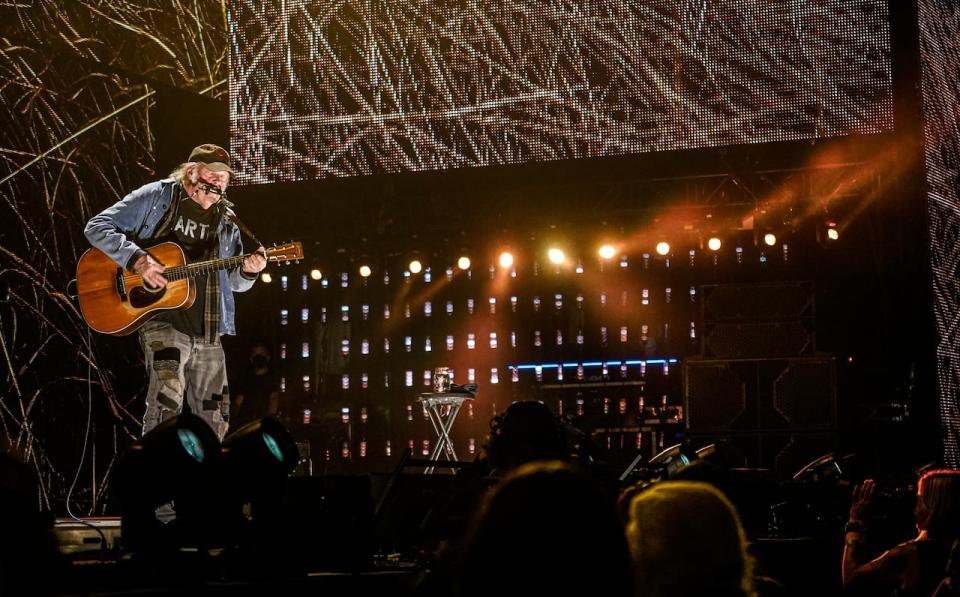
(181, 366)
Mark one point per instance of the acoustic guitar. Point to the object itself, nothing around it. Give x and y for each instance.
(117, 302)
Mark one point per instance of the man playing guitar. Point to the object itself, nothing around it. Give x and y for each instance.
(184, 360)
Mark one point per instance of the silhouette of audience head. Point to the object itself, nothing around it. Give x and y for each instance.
(937, 510)
(526, 432)
(546, 529)
(686, 539)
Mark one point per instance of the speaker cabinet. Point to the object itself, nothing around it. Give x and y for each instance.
(796, 394)
(777, 414)
(327, 523)
(765, 301)
(752, 321)
(758, 339)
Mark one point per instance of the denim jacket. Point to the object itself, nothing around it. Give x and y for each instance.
(117, 230)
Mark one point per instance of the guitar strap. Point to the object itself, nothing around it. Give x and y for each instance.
(231, 217)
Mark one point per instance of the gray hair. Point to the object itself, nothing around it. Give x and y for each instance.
(186, 174)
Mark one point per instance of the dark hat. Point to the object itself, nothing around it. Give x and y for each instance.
(214, 157)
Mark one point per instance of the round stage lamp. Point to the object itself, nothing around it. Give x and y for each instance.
(663, 248)
(191, 443)
(463, 263)
(315, 274)
(769, 239)
(833, 232)
(607, 252)
(556, 256)
(166, 486)
(415, 267)
(260, 449)
(255, 460)
(714, 243)
(506, 259)
(266, 278)
(365, 271)
(185, 440)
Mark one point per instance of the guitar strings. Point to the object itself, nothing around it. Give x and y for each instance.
(180, 272)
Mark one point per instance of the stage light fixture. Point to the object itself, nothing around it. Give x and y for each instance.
(663, 248)
(714, 243)
(254, 463)
(828, 233)
(415, 267)
(463, 263)
(261, 448)
(166, 486)
(315, 274)
(770, 239)
(365, 271)
(607, 252)
(506, 259)
(833, 231)
(266, 278)
(556, 256)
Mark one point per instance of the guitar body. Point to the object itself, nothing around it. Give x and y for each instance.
(114, 301)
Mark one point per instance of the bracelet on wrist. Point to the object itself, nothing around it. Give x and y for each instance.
(854, 526)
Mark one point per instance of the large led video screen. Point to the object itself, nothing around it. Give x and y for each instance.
(336, 89)
(940, 84)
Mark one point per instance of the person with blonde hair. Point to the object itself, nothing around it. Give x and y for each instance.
(686, 539)
(914, 567)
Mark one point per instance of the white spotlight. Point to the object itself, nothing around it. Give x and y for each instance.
(556, 256)
(506, 259)
(607, 252)
(714, 243)
(833, 232)
(463, 263)
(365, 271)
(415, 267)
(663, 248)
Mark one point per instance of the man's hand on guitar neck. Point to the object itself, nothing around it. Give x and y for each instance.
(150, 271)
(255, 262)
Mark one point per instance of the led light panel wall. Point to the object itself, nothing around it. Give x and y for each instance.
(940, 81)
(600, 342)
(320, 89)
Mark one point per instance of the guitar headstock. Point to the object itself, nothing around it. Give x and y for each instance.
(292, 251)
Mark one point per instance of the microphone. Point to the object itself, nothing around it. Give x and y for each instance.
(212, 189)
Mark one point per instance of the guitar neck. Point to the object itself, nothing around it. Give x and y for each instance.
(292, 251)
(190, 270)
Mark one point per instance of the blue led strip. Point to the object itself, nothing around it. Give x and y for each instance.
(589, 364)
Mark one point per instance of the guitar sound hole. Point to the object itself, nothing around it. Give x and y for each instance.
(141, 297)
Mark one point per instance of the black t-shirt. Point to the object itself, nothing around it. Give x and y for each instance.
(195, 230)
